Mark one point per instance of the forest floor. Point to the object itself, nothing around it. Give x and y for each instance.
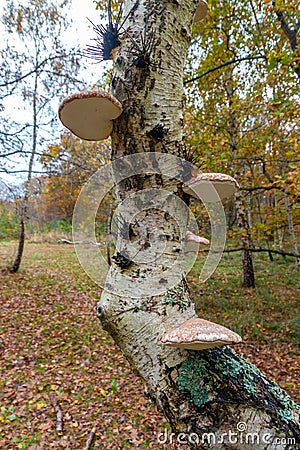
(56, 361)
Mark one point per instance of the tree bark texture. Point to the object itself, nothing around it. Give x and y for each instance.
(241, 212)
(291, 227)
(198, 391)
(17, 262)
(24, 206)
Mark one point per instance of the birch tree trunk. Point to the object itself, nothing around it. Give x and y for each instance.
(212, 392)
(27, 187)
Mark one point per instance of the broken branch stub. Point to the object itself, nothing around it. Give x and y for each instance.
(193, 242)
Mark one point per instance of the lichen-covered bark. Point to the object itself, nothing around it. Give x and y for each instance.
(199, 392)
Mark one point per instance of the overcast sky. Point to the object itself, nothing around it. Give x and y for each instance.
(79, 11)
(79, 32)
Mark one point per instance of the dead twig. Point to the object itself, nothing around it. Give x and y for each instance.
(59, 416)
(67, 241)
(90, 439)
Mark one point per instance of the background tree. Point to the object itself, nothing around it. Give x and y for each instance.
(289, 19)
(37, 68)
(245, 117)
(8, 211)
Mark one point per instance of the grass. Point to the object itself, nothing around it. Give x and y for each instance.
(52, 344)
(255, 313)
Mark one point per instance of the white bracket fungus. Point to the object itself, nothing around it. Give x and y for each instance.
(211, 187)
(90, 114)
(200, 334)
(193, 242)
(201, 11)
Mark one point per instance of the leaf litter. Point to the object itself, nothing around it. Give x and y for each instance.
(63, 378)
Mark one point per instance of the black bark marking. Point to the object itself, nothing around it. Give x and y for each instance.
(122, 260)
(158, 132)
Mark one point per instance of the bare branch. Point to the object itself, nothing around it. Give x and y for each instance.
(290, 33)
(261, 188)
(11, 172)
(90, 439)
(59, 416)
(255, 250)
(227, 63)
(16, 80)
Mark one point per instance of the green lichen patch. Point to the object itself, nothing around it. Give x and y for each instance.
(176, 296)
(287, 403)
(251, 377)
(222, 375)
(234, 367)
(194, 378)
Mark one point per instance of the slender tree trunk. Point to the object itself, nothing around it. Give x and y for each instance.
(210, 393)
(288, 207)
(241, 212)
(248, 269)
(24, 206)
(249, 210)
(262, 222)
(280, 231)
(18, 258)
(291, 34)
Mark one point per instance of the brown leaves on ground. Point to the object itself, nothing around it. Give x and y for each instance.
(61, 374)
(53, 349)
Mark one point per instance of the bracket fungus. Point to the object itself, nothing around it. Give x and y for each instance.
(199, 334)
(211, 187)
(193, 242)
(90, 114)
(201, 11)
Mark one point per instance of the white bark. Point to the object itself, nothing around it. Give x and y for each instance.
(202, 391)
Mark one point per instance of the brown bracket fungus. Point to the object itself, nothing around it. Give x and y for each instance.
(193, 242)
(199, 334)
(90, 114)
(201, 11)
(211, 187)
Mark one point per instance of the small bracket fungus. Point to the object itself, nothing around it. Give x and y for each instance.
(211, 187)
(193, 242)
(199, 334)
(201, 11)
(89, 114)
